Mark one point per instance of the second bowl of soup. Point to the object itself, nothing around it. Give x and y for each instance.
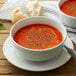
(67, 10)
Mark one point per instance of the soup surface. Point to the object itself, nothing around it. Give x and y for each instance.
(69, 8)
(38, 36)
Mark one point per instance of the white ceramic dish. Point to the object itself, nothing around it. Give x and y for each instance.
(38, 55)
(10, 52)
(68, 20)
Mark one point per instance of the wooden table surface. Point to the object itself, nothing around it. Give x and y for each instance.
(7, 69)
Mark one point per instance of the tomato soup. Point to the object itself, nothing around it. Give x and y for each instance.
(38, 36)
(69, 8)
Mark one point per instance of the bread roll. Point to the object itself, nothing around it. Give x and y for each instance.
(34, 8)
(17, 15)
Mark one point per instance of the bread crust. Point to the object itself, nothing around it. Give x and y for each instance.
(34, 8)
(17, 15)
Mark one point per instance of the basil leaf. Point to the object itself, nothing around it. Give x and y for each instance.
(2, 26)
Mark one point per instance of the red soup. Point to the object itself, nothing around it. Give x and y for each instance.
(69, 8)
(38, 36)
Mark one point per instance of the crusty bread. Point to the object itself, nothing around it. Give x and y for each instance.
(17, 15)
(34, 8)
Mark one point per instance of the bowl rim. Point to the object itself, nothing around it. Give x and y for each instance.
(62, 12)
(11, 37)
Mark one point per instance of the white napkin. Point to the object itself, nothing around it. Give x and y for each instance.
(5, 12)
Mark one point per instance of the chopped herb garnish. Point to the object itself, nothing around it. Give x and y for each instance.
(71, 9)
(2, 26)
(37, 40)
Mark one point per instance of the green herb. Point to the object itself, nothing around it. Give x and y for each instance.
(2, 26)
(37, 40)
(71, 9)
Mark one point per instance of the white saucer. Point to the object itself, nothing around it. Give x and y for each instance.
(14, 58)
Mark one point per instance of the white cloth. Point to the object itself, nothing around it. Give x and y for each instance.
(49, 6)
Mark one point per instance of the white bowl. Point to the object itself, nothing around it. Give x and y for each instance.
(38, 55)
(68, 20)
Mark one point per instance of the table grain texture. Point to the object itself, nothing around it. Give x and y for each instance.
(7, 69)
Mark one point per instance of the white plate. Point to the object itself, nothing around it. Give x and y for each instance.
(14, 58)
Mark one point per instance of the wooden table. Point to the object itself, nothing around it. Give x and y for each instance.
(7, 69)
